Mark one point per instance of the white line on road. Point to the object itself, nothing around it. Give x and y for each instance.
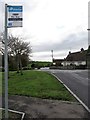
(86, 107)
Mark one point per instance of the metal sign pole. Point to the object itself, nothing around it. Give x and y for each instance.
(11, 20)
(6, 66)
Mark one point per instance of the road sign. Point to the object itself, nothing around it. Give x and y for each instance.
(14, 16)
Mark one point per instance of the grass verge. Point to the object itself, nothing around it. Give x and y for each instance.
(38, 84)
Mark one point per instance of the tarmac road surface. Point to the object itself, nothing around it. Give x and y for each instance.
(77, 81)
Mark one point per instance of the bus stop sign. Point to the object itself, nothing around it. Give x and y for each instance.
(14, 16)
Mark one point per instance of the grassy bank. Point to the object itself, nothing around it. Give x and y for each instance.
(38, 84)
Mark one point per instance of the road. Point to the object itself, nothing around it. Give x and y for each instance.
(76, 80)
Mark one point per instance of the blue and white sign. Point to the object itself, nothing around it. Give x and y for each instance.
(14, 16)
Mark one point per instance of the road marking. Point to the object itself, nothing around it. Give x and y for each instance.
(86, 107)
(23, 114)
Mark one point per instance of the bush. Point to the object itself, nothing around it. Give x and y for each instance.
(26, 68)
(81, 67)
(2, 69)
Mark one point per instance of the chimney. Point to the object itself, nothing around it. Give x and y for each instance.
(69, 52)
(82, 49)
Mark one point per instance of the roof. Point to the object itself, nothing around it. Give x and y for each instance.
(58, 60)
(77, 56)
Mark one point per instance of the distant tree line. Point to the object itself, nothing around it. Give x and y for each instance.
(39, 64)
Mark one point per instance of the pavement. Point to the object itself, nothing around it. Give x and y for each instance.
(44, 108)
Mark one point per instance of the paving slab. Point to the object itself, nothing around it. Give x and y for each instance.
(45, 108)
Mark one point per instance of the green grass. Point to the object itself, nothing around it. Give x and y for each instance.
(38, 84)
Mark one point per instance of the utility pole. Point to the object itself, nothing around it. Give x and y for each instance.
(52, 55)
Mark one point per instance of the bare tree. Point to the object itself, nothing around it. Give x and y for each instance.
(18, 49)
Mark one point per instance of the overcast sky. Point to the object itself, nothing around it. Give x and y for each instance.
(58, 25)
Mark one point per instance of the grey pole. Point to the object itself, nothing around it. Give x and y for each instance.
(52, 55)
(6, 66)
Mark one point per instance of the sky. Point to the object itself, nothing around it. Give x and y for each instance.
(58, 25)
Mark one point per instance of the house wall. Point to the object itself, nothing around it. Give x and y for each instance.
(57, 63)
(77, 63)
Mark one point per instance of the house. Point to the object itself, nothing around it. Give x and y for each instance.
(88, 57)
(57, 62)
(76, 58)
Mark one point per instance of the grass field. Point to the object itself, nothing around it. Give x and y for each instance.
(38, 84)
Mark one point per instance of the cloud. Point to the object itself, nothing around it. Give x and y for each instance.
(60, 25)
(73, 41)
(2, 17)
